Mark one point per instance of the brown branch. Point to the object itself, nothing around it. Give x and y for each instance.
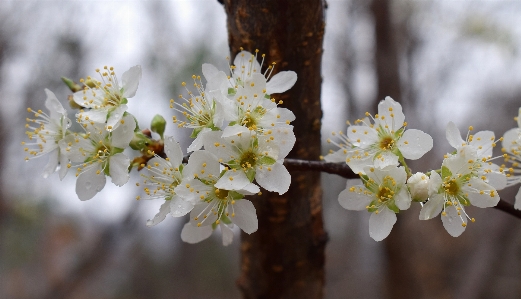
(344, 171)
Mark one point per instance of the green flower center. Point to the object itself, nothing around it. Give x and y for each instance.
(221, 194)
(386, 143)
(248, 160)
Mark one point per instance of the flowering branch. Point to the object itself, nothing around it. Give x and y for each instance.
(344, 171)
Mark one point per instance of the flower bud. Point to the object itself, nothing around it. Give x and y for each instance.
(158, 125)
(418, 185)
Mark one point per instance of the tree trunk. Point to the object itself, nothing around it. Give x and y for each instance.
(285, 257)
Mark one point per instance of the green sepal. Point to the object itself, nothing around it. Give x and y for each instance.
(123, 101)
(231, 91)
(139, 141)
(266, 160)
(267, 96)
(464, 200)
(392, 206)
(214, 225)
(116, 150)
(195, 132)
(225, 219)
(233, 123)
(235, 195)
(445, 172)
(158, 125)
(375, 203)
(250, 174)
(71, 84)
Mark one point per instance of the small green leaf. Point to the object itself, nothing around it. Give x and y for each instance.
(265, 160)
(250, 174)
(158, 125)
(445, 172)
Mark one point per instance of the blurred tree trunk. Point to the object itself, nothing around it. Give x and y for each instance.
(399, 281)
(386, 56)
(285, 257)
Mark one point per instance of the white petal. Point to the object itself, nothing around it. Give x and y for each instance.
(337, 157)
(173, 151)
(232, 180)
(354, 200)
(403, 199)
(115, 117)
(198, 142)
(64, 160)
(275, 178)
(385, 159)
(511, 139)
(245, 216)
(454, 136)
(483, 141)
(495, 178)
(130, 80)
(124, 133)
(118, 169)
(227, 234)
(161, 215)
(96, 115)
(434, 182)
(453, 222)
(202, 163)
(480, 200)
(362, 136)
(414, 144)
(250, 189)
(432, 208)
(51, 166)
(285, 140)
(234, 130)
(357, 165)
(281, 82)
(390, 114)
(89, 183)
(517, 204)
(209, 71)
(381, 224)
(55, 107)
(180, 207)
(193, 234)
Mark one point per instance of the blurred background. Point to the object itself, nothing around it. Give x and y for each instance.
(443, 60)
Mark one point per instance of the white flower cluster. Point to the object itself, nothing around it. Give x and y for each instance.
(108, 129)
(244, 133)
(245, 136)
(376, 150)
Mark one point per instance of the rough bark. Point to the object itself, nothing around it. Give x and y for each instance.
(285, 257)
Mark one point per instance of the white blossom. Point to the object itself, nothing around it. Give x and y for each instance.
(99, 153)
(458, 187)
(107, 99)
(383, 193)
(45, 132)
(383, 143)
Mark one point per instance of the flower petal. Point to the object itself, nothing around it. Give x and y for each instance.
(173, 151)
(517, 204)
(274, 178)
(130, 81)
(227, 234)
(381, 224)
(245, 216)
(115, 116)
(390, 115)
(403, 199)
(281, 82)
(55, 107)
(123, 134)
(180, 207)
(90, 182)
(485, 200)
(161, 215)
(118, 169)
(453, 222)
(232, 180)
(432, 208)
(193, 234)
(354, 197)
(414, 144)
(454, 136)
(51, 166)
(482, 141)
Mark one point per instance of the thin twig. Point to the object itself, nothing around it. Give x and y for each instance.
(344, 171)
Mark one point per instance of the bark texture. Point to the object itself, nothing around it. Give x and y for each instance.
(285, 257)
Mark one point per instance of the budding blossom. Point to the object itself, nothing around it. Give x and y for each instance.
(383, 143)
(421, 187)
(107, 99)
(383, 194)
(47, 131)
